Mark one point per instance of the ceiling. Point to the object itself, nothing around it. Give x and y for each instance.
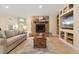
(29, 9)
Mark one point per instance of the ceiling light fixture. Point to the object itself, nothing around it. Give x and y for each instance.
(40, 6)
(6, 7)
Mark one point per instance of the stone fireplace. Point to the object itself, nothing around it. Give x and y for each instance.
(40, 25)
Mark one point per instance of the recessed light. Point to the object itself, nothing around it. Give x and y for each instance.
(6, 7)
(40, 6)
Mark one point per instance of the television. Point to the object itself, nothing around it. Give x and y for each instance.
(67, 22)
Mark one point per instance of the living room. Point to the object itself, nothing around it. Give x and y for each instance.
(39, 28)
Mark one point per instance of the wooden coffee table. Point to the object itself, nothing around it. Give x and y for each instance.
(40, 40)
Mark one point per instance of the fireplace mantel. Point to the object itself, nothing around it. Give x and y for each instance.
(40, 21)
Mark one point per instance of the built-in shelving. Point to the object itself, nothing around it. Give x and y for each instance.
(57, 24)
(71, 6)
(70, 38)
(62, 34)
(69, 12)
(66, 34)
(67, 30)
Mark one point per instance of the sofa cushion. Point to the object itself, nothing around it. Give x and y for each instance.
(20, 31)
(10, 33)
(12, 40)
(2, 34)
(21, 36)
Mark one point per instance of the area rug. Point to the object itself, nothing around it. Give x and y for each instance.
(30, 50)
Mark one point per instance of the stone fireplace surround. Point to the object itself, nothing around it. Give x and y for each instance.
(35, 21)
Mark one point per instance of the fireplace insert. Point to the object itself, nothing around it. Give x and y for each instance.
(40, 28)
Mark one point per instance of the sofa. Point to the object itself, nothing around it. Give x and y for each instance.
(11, 39)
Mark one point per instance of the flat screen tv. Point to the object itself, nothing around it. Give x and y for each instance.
(67, 22)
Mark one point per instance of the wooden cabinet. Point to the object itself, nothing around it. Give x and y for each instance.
(40, 41)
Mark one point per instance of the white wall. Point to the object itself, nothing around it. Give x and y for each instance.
(53, 25)
(28, 24)
(76, 27)
(3, 22)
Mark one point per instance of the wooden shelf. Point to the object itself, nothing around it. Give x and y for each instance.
(70, 6)
(70, 37)
(58, 24)
(60, 12)
(62, 34)
(67, 30)
(70, 41)
(67, 13)
(65, 9)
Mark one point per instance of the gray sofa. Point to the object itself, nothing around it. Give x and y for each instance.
(11, 38)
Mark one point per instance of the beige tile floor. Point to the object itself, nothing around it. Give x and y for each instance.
(53, 45)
